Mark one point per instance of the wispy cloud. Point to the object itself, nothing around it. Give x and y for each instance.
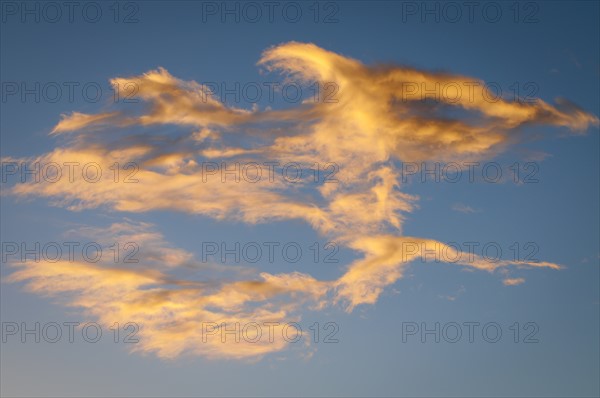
(460, 207)
(513, 281)
(375, 122)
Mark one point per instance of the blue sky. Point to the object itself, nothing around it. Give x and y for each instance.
(370, 42)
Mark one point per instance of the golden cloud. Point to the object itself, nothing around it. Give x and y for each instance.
(381, 115)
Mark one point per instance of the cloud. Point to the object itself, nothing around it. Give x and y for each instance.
(386, 258)
(464, 208)
(172, 312)
(167, 148)
(513, 281)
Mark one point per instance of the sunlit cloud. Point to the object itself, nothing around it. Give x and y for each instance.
(172, 310)
(513, 281)
(380, 117)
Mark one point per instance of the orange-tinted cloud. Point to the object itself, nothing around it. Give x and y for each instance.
(377, 117)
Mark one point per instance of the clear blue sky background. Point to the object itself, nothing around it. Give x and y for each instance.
(560, 213)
